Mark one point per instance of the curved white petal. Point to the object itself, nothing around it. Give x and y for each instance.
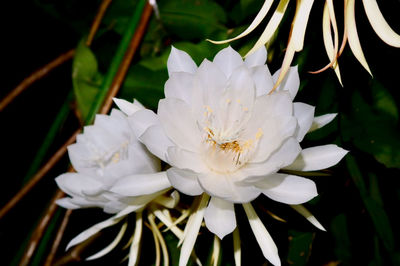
(127, 107)
(263, 79)
(308, 215)
(322, 120)
(305, 116)
(141, 120)
(180, 61)
(228, 60)
(180, 86)
(75, 184)
(284, 156)
(258, 58)
(290, 83)
(222, 186)
(220, 217)
(66, 203)
(179, 123)
(318, 158)
(287, 189)
(184, 159)
(185, 181)
(145, 184)
(267, 245)
(156, 141)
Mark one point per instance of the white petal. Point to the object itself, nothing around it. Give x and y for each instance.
(179, 123)
(220, 217)
(317, 158)
(305, 115)
(290, 83)
(289, 189)
(258, 58)
(308, 215)
(127, 107)
(192, 229)
(222, 186)
(263, 80)
(284, 156)
(66, 203)
(267, 245)
(180, 61)
(156, 141)
(142, 120)
(180, 86)
(322, 120)
(228, 60)
(184, 159)
(185, 181)
(75, 184)
(137, 185)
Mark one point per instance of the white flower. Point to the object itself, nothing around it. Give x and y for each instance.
(117, 173)
(226, 134)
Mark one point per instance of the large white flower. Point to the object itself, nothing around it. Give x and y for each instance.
(117, 173)
(226, 134)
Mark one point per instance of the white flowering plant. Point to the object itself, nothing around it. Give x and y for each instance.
(189, 152)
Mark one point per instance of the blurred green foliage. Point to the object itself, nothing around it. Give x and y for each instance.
(358, 202)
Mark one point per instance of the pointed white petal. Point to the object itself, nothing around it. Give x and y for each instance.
(180, 86)
(185, 181)
(263, 79)
(305, 116)
(228, 60)
(258, 58)
(180, 61)
(127, 107)
(137, 185)
(184, 159)
(289, 189)
(66, 203)
(156, 141)
(192, 230)
(220, 217)
(111, 246)
(267, 245)
(141, 120)
(179, 123)
(137, 236)
(322, 120)
(308, 215)
(75, 184)
(318, 158)
(290, 83)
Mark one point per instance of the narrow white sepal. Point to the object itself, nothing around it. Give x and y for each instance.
(137, 235)
(322, 120)
(169, 223)
(237, 250)
(160, 239)
(93, 230)
(267, 245)
(216, 251)
(308, 215)
(112, 245)
(190, 234)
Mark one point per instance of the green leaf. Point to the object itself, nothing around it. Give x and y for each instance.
(192, 19)
(383, 101)
(371, 132)
(85, 78)
(145, 85)
(378, 215)
(342, 241)
(299, 247)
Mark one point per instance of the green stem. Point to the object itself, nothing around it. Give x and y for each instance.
(116, 61)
